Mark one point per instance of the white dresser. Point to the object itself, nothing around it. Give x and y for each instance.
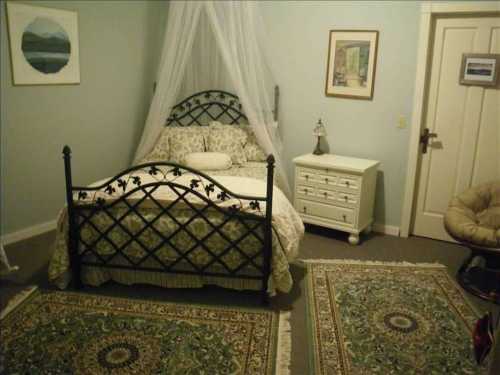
(336, 192)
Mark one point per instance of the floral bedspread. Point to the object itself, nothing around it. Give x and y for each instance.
(288, 231)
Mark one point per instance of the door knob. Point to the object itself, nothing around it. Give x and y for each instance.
(424, 139)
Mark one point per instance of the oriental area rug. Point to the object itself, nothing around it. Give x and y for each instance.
(75, 333)
(388, 318)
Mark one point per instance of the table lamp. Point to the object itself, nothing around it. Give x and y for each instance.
(319, 131)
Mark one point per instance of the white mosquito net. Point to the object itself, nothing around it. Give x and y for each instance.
(216, 45)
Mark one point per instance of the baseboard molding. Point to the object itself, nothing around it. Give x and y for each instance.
(386, 229)
(29, 232)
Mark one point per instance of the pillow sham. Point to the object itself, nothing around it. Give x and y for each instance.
(228, 142)
(161, 150)
(235, 131)
(183, 143)
(208, 161)
(253, 151)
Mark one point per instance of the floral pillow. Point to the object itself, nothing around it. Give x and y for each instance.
(252, 149)
(183, 143)
(235, 131)
(229, 141)
(161, 150)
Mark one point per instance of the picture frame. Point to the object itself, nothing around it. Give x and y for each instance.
(480, 69)
(44, 46)
(351, 65)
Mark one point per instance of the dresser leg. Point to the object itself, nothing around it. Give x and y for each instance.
(354, 239)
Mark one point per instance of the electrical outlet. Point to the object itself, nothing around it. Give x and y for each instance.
(402, 122)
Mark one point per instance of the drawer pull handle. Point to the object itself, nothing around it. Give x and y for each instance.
(326, 180)
(347, 183)
(346, 198)
(306, 176)
(305, 190)
(305, 209)
(344, 217)
(326, 194)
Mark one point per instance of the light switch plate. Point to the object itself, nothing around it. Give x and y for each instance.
(402, 122)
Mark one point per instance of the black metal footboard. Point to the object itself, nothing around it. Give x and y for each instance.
(168, 218)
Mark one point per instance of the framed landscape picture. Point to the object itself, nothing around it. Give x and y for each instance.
(352, 57)
(43, 45)
(480, 69)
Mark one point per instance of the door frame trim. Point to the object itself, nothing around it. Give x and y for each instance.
(428, 12)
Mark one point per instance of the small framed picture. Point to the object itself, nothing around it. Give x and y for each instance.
(43, 45)
(352, 58)
(480, 69)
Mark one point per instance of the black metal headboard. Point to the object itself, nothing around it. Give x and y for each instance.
(206, 106)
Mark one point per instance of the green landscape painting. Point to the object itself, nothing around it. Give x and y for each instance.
(46, 45)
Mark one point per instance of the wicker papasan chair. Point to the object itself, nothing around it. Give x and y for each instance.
(473, 219)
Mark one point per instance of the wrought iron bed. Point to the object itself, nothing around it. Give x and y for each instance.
(127, 194)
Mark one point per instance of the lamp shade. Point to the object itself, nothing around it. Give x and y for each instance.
(319, 130)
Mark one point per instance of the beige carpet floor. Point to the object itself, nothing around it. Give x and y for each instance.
(33, 255)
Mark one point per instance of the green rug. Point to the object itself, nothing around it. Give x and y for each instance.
(75, 333)
(387, 318)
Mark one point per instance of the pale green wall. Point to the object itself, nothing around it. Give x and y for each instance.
(101, 118)
(298, 40)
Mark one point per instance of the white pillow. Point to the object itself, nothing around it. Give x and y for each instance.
(208, 161)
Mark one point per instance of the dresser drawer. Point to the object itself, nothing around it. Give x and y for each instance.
(346, 198)
(329, 179)
(306, 191)
(349, 182)
(316, 176)
(326, 180)
(326, 195)
(306, 176)
(311, 193)
(345, 216)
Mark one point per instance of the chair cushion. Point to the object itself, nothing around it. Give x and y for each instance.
(474, 215)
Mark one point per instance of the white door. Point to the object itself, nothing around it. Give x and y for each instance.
(465, 119)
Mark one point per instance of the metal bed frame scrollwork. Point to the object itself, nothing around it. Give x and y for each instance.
(205, 106)
(125, 194)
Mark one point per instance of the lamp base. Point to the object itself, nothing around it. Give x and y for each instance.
(317, 150)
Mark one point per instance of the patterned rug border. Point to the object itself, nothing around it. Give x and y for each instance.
(283, 349)
(435, 265)
(372, 263)
(17, 300)
(284, 345)
(308, 296)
